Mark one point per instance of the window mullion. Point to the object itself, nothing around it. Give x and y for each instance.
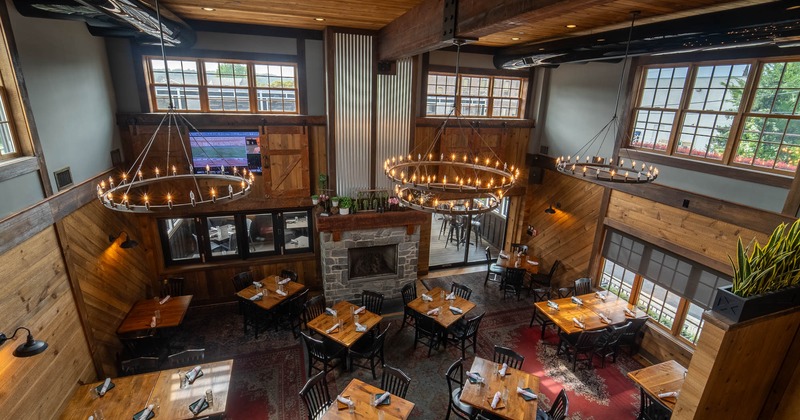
(748, 94)
(251, 87)
(680, 316)
(636, 288)
(490, 95)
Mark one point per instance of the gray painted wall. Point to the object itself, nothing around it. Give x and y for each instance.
(19, 193)
(315, 77)
(71, 95)
(580, 101)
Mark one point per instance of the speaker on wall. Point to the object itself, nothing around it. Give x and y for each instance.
(535, 175)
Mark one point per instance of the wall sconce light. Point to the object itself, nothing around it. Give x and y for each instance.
(127, 243)
(29, 348)
(532, 231)
(551, 210)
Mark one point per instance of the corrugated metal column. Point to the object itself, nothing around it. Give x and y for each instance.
(393, 116)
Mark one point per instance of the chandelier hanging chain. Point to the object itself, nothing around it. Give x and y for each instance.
(624, 62)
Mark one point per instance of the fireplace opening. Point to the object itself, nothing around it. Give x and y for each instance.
(373, 261)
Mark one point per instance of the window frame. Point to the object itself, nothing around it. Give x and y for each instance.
(7, 118)
(739, 117)
(203, 86)
(492, 75)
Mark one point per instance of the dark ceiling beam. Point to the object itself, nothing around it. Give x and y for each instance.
(417, 31)
(477, 18)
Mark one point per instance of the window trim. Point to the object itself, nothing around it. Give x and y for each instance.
(15, 140)
(478, 72)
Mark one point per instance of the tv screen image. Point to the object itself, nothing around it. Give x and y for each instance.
(215, 149)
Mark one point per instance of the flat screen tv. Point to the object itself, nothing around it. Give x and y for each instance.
(211, 150)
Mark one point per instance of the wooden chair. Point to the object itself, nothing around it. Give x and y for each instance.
(546, 279)
(373, 301)
(541, 295)
(172, 286)
(607, 344)
(139, 365)
(409, 293)
(575, 345)
(583, 286)
(242, 281)
(289, 274)
(253, 316)
(455, 382)
(143, 344)
(508, 356)
(519, 248)
(313, 308)
(560, 407)
(651, 408)
(426, 331)
(329, 354)
(492, 268)
(460, 290)
(514, 282)
(632, 337)
(186, 358)
(290, 313)
(369, 348)
(316, 396)
(468, 331)
(564, 292)
(395, 381)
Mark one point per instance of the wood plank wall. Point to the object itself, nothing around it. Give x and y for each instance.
(35, 293)
(567, 235)
(111, 279)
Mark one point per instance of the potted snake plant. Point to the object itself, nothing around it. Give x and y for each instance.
(766, 279)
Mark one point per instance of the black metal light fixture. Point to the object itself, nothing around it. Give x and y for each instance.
(551, 210)
(127, 243)
(29, 348)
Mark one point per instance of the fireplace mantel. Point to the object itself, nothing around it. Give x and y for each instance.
(370, 220)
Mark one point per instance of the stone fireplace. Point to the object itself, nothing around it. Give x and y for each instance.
(372, 251)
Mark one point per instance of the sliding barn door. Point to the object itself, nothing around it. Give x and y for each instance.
(284, 153)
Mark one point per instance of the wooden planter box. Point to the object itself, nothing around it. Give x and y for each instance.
(738, 309)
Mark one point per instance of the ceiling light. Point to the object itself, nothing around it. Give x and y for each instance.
(572, 25)
(515, 38)
(600, 39)
(541, 49)
(320, 19)
(209, 9)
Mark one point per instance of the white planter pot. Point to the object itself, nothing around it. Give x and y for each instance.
(344, 211)
(335, 203)
(315, 201)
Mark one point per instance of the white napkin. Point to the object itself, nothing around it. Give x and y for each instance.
(104, 389)
(601, 296)
(192, 374)
(163, 301)
(526, 393)
(576, 300)
(257, 296)
(532, 262)
(502, 255)
(359, 310)
(284, 281)
(451, 296)
(503, 369)
(91, 417)
(146, 412)
(629, 313)
(426, 298)
(552, 304)
(433, 312)
(153, 322)
(475, 377)
(454, 309)
(258, 284)
(343, 400)
(381, 398)
(332, 329)
(578, 323)
(604, 318)
(360, 328)
(668, 394)
(330, 311)
(281, 292)
(496, 399)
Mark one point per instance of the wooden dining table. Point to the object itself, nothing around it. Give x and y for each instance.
(528, 263)
(132, 394)
(346, 334)
(272, 299)
(661, 378)
(613, 307)
(172, 313)
(362, 394)
(480, 395)
(446, 317)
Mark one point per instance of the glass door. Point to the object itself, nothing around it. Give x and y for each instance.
(461, 240)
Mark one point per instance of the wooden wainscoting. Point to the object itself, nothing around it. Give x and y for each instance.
(35, 293)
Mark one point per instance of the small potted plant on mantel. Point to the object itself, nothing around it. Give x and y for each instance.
(767, 280)
(344, 205)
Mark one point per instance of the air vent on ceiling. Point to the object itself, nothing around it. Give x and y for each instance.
(63, 178)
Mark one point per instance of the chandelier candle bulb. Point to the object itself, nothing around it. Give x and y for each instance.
(156, 171)
(230, 191)
(174, 171)
(169, 201)
(141, 175)
(213, 196)
(191, 198)
(111, 182)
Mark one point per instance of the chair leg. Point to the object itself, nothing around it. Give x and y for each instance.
(533, 317)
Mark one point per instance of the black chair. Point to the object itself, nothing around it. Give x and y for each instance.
(369, 348)
(541, 295)
(253, 316)
(313, 308)
(579, 344)
(632, 337)
(583, 286)
(139, 365)
(373, 301)
(519, 248)
(508, 356)
(242, 280)
(395, 381)
(514, 282)
(316, 396)
(564, 292)
(560, 407)
(546, 279)
(409, 293)
(607, 344)
(186, 358)
(455, 381)
(651, 408)
(289, 274)
(426, 331)
(460, 290)
(172, 286)
(468, 331)
(329, 354)
(290, 313)
(492, 268)
(143, 344)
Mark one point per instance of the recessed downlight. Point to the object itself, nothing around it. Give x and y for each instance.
(320, 19)
(209, 9)
(600, 39)
(572, 25)
(515, 38)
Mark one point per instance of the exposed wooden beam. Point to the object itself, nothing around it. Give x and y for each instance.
(417, 31)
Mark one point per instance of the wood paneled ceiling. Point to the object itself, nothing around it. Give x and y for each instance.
(546, 23)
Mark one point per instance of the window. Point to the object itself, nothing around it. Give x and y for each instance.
(738, 113)
(208, 85)
(234, 236)
(475, 95)
(672, 290)
(8, 146)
